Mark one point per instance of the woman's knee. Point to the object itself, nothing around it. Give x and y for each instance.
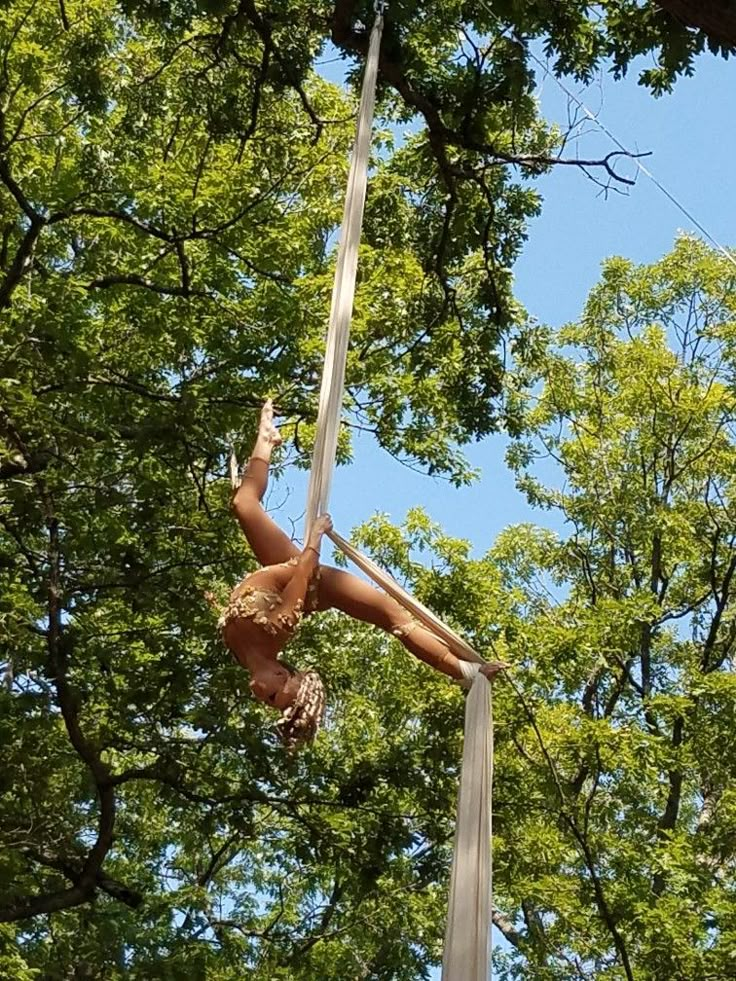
(245, 501)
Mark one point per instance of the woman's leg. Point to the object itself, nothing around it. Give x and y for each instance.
(361, 601)
(270, 544)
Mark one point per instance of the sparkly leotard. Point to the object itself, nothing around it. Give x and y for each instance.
(258, 605)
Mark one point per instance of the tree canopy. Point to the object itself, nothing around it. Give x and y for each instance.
(625, 628)
(171, 179)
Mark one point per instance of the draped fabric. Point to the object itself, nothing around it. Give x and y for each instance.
(388, 584)
(467, 952)
(343, 294)
(468, 932)
(467, 938)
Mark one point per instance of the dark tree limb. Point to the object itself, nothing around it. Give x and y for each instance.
(32, 559)
(186, 283)
(185, 291)
(118, 890)
(440, 135)
(63, 14)
(21, 263)
(668, 821)
(115, 215)
(507, 928)
(14, 189)
(57, 644)
(326, 918)
(25, 114)
(265, 32)
(722, 596)
(275, 277)
(716, 18)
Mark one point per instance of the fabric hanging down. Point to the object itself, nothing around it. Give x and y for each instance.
(467, 951)
(467, 938)
(343, 294)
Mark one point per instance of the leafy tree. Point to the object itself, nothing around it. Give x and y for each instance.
(615, 828)
(171, 178)
(169, 201)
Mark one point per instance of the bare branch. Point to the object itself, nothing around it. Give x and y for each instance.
(442, 136)
(132, 280)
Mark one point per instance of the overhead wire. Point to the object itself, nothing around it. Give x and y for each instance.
(637, 162)
(621, 146)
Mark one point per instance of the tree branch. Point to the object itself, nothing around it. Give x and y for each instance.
(114, 215)
(87, 879)
(264, 30)
(504, 924)
(326, 918)
(440, 135)
(133, 280)
(716, 18)
(668, 820)
(721, 597)
(118, 890)
(14, 188)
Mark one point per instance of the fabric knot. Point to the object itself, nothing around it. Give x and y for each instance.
(469, 669)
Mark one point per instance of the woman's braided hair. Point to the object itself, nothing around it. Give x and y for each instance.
(301, 720)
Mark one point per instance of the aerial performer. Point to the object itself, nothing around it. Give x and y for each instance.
(265, 609)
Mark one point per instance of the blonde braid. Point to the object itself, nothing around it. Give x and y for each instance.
(301, 720)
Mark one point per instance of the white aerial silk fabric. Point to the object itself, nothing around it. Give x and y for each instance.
(467, 953)
(388, 584)
(467, 946)
(343, 294)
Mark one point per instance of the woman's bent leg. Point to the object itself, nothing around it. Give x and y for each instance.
(270, 544)
(361, 601)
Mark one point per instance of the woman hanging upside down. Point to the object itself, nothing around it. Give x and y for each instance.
(265, 609)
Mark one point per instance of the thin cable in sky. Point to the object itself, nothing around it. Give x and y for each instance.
(611, 136)
(657, 183)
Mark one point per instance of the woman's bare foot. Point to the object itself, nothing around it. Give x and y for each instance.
(268, 437)
(491, 668)
(267, 430)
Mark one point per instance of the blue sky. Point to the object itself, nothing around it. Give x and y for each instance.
(693, 142)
